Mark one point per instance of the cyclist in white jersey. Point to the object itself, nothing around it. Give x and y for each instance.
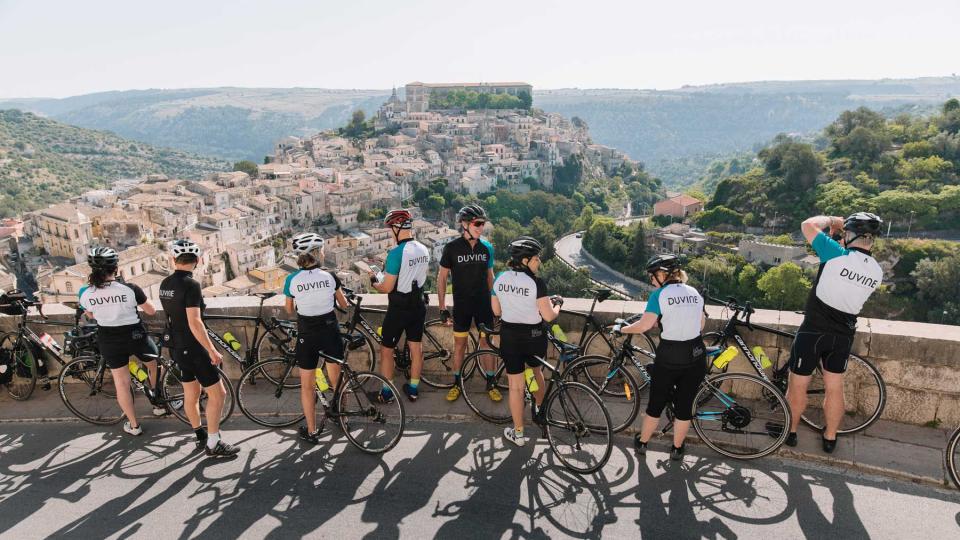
(680, 364)
(847, 277)
(521, 301)
(311, 292)
(120, 332)
(405, 274)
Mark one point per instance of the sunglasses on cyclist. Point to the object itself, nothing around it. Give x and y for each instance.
(478, 223)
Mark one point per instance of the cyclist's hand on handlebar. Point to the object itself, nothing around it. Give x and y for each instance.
(556, 300)
(618, 326)
(445, 317)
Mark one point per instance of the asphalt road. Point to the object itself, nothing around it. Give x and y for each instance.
(445, 480)
(569, 247)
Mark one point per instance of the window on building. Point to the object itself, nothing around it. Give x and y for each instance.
(69, 286)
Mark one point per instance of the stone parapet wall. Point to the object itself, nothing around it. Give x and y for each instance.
(920, 362)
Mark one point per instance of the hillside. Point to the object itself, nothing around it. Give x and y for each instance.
(43, 161)
(677, 133)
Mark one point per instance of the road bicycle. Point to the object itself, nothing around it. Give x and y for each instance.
(864, 390)
(572, 416)
(370, 424)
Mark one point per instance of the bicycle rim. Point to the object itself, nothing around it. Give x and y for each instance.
(82, 392)
(368, 424)
(270, 404)
(476, 385)
(741, 416)
(175, 401)
(438, 369)
(578, 427)
(952, 458)
(361, 354)
(864, 397)
(24, 377)
(620, 394)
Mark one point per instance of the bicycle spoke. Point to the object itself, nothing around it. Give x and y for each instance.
(740, 415)
(578, 427)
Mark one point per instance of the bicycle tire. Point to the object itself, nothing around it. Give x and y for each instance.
(270, 404)
(172, 388)
(864, 389)
(362, 356)
(582, 414)
(355, 403)
(438, 370)
(590, 346)
(23, 380)
(755, 402)
(624, 403)
(475, 385)
(81, 391)
(951, 457)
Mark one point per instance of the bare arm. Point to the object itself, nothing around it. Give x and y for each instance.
(646, 322)
(289, 306)
(148, 308)
(490, 278)
(812, 226)
(442, 287)
(495, 306)
(548, 311)
(387, 284)
(341, 299)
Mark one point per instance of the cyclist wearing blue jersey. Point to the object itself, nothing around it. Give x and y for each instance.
(311, 293)
(847, 277)
(680, 365)
(405, 274)
(120, 332)
(468, 260)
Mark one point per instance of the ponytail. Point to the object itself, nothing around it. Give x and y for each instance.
(99, 277)
(309, 259)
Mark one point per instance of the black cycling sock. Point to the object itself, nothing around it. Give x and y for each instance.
(201, 433)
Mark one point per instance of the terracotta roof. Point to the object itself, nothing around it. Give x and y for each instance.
(685, 200)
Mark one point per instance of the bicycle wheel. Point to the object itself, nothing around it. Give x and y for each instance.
(621, 394)
(271, 404)
(174, 395)
(477, 386)
(578, 427)
(83, 392)
(24, 377)
(438, 369)
(368, 424)
(952, 457)
(741, 416)
(601, 343)
(865, 396)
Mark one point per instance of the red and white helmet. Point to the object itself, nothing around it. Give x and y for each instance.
(399, 218)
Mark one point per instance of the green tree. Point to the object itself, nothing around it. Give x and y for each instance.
(718, 216)
(433, 205)
(563, 280)
(526, 100)
(938, 288)
(248, 167)
(639, 251)
(785, 285)
(585, 220)
(839, 198)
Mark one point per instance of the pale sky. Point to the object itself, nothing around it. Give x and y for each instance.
(63, 48)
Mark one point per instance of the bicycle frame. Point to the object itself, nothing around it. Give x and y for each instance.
(730, 331)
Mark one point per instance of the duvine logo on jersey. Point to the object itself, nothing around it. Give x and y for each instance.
(103, 300)
(515, 290)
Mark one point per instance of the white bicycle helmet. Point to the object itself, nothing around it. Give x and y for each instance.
(306, 242)
(185, 247)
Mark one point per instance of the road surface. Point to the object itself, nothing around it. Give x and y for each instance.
(444, 480)
(569, 247)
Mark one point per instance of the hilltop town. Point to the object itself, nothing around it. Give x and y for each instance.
(334, 182)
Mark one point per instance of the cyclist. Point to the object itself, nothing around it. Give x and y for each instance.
(311, 292)
(680, 365)
(405, 275)
(191, 348)
(520, 299)
(469, 260)
(847, 277)
(120, 332)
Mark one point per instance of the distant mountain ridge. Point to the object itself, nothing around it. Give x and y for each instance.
(662, 128)
(43, 161)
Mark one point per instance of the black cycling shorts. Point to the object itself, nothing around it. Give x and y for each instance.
(472, 311)
(194, 362)
(315, 335)
(520, 345)
(812, 349)
(677, 386)
(399, 321)
(117, 344)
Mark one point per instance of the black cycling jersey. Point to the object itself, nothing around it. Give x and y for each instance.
(469, 267)
(178, 292)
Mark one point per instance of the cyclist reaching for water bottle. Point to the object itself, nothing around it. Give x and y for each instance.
(468, 260)
(680, 364)
(121, 333)
(311, 292)
(847, 277)
(520, 299)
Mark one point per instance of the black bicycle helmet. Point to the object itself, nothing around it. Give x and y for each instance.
(471, 212)
(103, 257)
(863, 223)
(524, 247)
(666, 262)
